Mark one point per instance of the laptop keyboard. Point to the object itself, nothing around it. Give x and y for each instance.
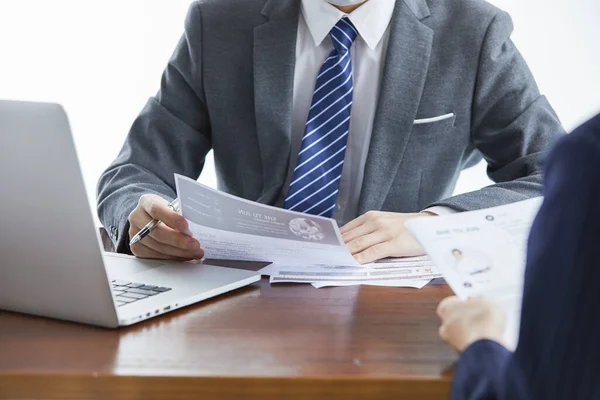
(129, 292)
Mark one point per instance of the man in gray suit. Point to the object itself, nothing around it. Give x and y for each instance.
(364, 111)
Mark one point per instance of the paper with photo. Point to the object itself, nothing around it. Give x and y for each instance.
(231, 228)
(482, 253)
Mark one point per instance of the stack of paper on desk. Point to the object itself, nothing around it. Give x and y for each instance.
(303, 248)
(482, 253)
(413, 272)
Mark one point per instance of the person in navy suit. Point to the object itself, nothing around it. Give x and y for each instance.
(558, 355)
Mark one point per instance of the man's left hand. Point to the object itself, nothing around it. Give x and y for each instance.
(376, 235)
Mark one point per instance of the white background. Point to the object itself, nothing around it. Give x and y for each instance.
(103, 59)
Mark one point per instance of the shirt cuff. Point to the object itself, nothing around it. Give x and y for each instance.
(441, 210)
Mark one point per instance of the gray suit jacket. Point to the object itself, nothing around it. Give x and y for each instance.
(228, 87)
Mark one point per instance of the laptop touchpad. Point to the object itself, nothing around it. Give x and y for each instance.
(124, 266)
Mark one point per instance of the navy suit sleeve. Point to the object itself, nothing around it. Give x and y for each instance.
(558, 356)
(477, 370)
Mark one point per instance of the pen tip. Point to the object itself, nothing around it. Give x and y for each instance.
(134, 241)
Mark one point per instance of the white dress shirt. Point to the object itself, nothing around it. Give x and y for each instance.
(313, 46)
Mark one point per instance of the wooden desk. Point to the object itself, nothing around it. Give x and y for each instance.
(261, 342)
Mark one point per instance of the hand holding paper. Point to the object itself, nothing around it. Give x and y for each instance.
(482, 253)
(232, 228)
(168, 239)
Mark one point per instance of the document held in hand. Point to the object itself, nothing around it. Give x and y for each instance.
(232, 228)
(482, 253)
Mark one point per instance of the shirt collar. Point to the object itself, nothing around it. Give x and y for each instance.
(371, 20)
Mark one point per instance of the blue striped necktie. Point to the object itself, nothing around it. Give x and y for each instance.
(316, 178)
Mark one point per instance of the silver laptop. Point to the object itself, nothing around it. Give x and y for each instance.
(51, 263)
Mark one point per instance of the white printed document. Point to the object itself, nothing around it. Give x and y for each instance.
(398, 272)
(400, 283)
(231, 228)
(482, 253)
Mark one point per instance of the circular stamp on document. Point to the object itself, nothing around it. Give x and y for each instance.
(306, 229)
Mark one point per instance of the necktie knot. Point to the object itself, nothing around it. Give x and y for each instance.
(343, 35)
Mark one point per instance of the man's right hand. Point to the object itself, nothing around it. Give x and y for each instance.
(168, 240)
(466, 321)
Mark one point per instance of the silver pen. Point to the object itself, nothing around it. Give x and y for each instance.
(174, 205)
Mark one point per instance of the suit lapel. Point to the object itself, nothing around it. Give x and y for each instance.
(274, 61)
(402, 84)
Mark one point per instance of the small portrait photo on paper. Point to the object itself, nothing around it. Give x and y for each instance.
(470, 262)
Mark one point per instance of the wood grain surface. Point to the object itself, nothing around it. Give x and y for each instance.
(265, 341)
